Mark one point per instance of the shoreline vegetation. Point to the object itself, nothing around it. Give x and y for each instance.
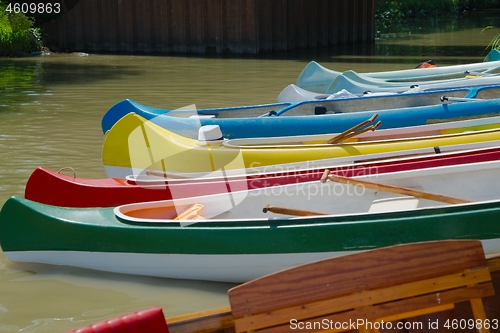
(21, 35)
(400, 16)
(18, 34)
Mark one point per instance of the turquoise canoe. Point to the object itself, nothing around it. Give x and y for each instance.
(319, 116)
(355, 84)
(317, 78)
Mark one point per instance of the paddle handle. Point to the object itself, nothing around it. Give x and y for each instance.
(352, 129)
(392, 188)
(353, 134)
(290, 211)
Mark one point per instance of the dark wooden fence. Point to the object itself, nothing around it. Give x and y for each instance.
(211, 26)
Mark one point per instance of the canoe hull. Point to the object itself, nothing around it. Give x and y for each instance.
(96, 239)
(317, 78)
(53, 188)
(236, 268)
(302, 118)
(221, 268)
(135, 144)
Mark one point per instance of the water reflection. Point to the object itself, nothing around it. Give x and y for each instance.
(40, 298)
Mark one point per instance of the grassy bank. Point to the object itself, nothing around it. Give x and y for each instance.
(17, 34)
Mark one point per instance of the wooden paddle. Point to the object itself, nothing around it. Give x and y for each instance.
(290, 211)
(351, 130)
(393, 189)
(353, 134)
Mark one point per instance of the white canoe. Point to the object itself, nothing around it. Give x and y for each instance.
(317, 78)
(239, 241)
(364, 86)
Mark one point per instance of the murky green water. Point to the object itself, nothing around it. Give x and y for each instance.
(50, 113)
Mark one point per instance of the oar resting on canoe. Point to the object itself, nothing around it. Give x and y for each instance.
(371, 185)
(126, 151)
(237, 241)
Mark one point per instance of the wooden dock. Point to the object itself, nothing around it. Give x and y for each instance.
(210, 26)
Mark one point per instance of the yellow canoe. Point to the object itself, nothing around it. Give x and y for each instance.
(135, 144)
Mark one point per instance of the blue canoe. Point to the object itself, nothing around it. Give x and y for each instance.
(320, 116)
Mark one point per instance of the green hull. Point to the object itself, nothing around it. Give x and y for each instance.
(27, 225)
(29, 229)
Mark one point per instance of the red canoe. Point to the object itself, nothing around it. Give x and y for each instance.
(54, 188)
(147, 320)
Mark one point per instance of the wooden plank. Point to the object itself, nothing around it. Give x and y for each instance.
(127, 26)
(134, 25)
(343, 26)
(358, 299)
(248, 32)
(408, 306)
(323, 16)
(479, 313)
(203, 26)
(299, 24)
(169, 26)
(157, 12)
(363, 22)
(371, 26)
(264, 21)
(230, 20)
(253, 25)
(178, 27)
(218, 22)
(78, 26)
(189, 25)
(416, 313)
(494, 264)
(69, 34)
(146, 42)
(97, 26)
(311, 38)
(278, 25)
(333, 33)
(91, 25)
(120, 35)
(290, 26)
(284, 25)
(195, 26)
(353, 22)
(202, 322)
(109, 19)
(313, 281)
(161, 18)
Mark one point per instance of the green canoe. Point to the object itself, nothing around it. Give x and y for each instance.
(225, 250)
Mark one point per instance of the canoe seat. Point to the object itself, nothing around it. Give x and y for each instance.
(361, 290)
(191, 213)
(147, 320)
(393, 204)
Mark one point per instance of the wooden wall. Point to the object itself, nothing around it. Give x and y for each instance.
(210, 26)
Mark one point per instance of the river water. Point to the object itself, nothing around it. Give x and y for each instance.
(50, 113)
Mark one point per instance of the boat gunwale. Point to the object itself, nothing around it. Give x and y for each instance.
(121, 216)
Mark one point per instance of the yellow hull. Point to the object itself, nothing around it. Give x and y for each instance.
(138, 144)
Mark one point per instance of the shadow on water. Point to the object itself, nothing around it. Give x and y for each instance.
(24, 79)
